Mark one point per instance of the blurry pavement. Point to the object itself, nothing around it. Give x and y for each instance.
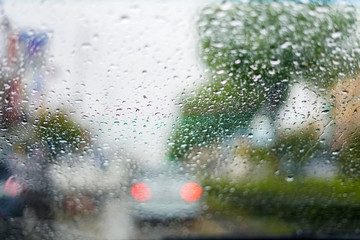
(114, 222)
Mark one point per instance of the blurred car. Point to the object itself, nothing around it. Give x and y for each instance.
(165, 194)
(12, 201)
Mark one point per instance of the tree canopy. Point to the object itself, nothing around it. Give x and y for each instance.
(253, 53)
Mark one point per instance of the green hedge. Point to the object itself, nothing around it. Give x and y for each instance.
(319, 205)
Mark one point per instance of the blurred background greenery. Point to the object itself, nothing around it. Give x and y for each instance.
(254, 53)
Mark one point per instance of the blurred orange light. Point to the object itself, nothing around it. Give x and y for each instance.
(141, 192)
(190, 192)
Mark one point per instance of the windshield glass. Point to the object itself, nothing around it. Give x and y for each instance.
(154, 119)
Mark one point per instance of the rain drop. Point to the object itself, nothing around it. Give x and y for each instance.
(290, 179)
(275, 62)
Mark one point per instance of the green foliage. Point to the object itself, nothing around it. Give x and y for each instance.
(260, 155)
(315, 204)
(253, 52)
(295, 149)
(200, 130)
(61, 132)
(261, 45)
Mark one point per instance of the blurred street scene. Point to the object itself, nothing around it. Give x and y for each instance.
(138, 120)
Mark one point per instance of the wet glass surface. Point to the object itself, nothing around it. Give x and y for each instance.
(154, 119)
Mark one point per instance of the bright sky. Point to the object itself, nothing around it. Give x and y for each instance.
(119, 64)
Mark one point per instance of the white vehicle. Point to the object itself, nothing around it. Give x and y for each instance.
(165, 195)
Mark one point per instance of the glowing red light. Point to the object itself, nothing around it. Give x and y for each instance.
(190, 192)
(141, 192)
(12, 187)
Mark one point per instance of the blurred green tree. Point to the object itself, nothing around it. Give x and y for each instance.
(253, 52)
(62, 133)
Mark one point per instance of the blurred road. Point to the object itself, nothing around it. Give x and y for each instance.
(114, 222)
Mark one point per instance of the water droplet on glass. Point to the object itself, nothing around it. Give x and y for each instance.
(86, 46)
(336, 35)
(335, 153)
(124, 18)
(275, 62)
(285, 45)
(290, 179)
(223, 82)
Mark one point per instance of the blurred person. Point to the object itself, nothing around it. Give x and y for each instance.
(12, 201)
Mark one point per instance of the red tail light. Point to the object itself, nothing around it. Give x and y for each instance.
(191, 192)
(141, 192)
